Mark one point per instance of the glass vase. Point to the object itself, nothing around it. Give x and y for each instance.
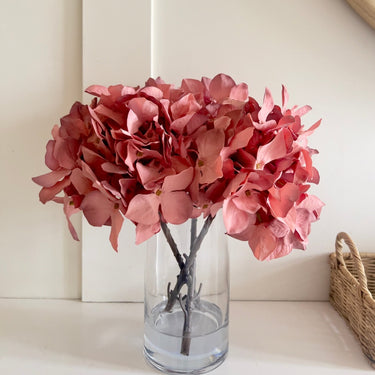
(187, 297)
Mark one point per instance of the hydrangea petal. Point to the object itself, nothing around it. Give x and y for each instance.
(97, 90)
(235, 220)
(116, 225)
(279, 147)
(144, 209)
(178, 181)
(267, 106)
(51, 178)
(262, 242)
(221, 86)
(176, 206)
(144, 232)
(239, 92)
(97, 208)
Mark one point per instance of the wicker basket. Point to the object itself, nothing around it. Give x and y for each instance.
(353, 290)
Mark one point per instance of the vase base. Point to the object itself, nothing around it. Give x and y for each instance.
(163, 340)
(149, 356)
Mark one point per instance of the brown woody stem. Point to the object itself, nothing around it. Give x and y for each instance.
(172, 244)
(187, 276)
(182, 276)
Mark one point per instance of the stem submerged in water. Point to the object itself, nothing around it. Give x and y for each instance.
(187, 276)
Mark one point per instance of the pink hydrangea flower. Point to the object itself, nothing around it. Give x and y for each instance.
(160, 152)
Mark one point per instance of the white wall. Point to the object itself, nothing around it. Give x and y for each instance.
(325, 54)
(321, 50)
(40, 78)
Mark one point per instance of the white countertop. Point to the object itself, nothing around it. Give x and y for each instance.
(52, 337)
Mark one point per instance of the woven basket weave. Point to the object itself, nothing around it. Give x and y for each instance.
(353, 290)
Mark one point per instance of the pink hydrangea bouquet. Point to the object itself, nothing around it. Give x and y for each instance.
(161, 154)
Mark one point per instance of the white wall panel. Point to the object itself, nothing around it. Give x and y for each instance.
(325, 54)
(321, 50)
(116, 49)
(40, 76)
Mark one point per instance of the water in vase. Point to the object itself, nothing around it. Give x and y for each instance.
(163, 338)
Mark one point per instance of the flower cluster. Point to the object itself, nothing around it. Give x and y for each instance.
(164, 153)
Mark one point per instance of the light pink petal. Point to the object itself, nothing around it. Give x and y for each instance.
(192, 85)
(149, 175)
(133, 123)
(92, 158)
(282, 199)
(128, 187)
(196, 121)
(109, 113)
(49, 159)
(176, 206)
(87, 172)
(262, 242)
(221, 86)
(97, 90)
(235, 220)
(130, 155)
(301, 111)
(239, 92)
(55, 132)
(116, 225)
(210, 171)
(179, 124)
(279, 147)
(264, 126)
(261, 180)
(82, 184)
(278, 228)
(113, 168)
(312, 128)
(234, 184)
(283, 247)
(97, 124)
(48, 193)
(210, 143)
(313, 204)
(248, 202)
(144, 109)
(304, 219)
(144, 232)
(65, 152)
(222, 123)
(127, 90)
(241, 139)
(315, 177)
(187, 104)
(287, 121)
(69, 210)
(178, 181)
(267, 106)
(144, 209)
(153, 91)
(51, 178)
(97, 208)
(115, 193)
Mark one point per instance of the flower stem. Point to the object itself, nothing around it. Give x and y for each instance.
(182, 276)
(191, 283)
(187, 276)
(172, 244)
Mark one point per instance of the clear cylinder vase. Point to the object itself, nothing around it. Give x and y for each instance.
(187, 299)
